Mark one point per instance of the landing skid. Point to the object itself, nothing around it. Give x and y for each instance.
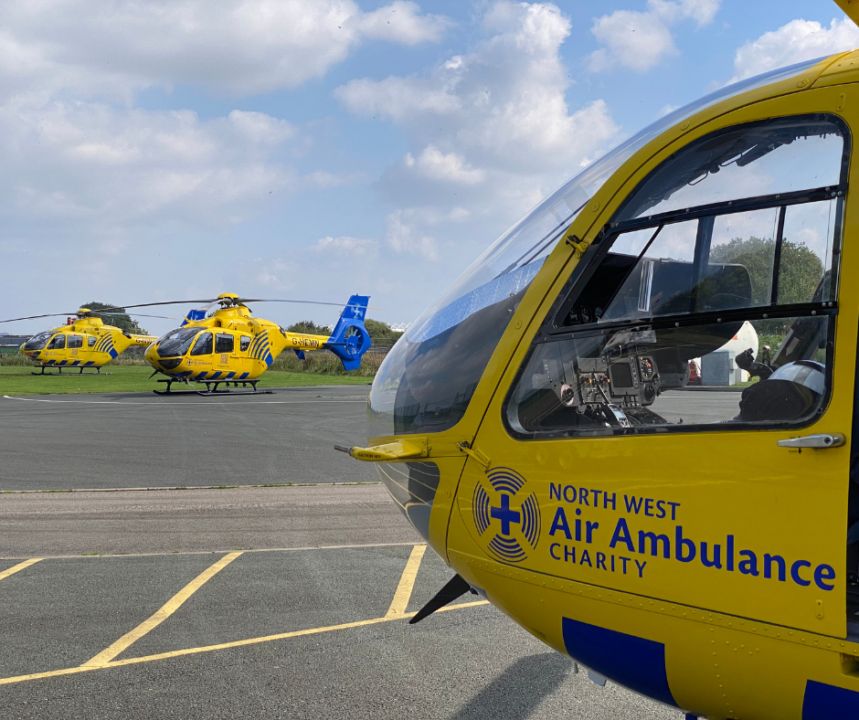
(214, 391)
(80, 370)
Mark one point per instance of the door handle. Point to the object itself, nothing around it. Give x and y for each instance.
(816, 442)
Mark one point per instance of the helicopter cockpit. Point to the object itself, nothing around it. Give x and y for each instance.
(736, 228)
(768, 181)
(38, 341)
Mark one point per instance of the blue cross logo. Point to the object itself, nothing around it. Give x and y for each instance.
(506, 543)
(505, 514)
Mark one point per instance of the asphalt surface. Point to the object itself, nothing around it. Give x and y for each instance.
(249, 602)
(129, 522)
(223, 653)
(133, 440)
(130, 440)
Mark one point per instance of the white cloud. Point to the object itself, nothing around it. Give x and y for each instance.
(641, 40)
(402, 22)
(634, 40)
(95, 163)
(792, 43)
(435, 165)
(237, 47)
(491, 132)
(345, 244)
(403, 236)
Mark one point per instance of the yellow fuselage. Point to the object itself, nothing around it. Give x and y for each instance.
(87, 342)
(703, 566)
(230, 345)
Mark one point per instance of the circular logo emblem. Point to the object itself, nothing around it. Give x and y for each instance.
(507, 514)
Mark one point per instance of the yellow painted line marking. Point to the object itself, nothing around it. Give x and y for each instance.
(17, 568)
(224, 646)
(407, 583)
(171, 606)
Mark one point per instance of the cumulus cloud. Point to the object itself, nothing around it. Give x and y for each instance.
(641, 40)
(235, 47)
(92, 162)
(792, 43)
(345, 244)
(491, 132)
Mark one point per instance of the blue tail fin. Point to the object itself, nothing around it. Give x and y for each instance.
(193, 315)
(350, 339)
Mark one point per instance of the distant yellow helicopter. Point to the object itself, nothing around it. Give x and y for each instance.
(84, 343)
(223, 344)
(537, 426)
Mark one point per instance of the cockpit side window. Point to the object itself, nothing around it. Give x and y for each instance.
(737, 295)
(203, 345)
(57, 343)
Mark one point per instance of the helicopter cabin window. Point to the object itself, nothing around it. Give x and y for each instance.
(728, 286)
(58, 343)
(91, 340)
(244, 342)
(76, 341)
(223, 343)
(203, 346)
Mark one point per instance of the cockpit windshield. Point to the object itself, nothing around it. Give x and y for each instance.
(426, 382)
(177, 342)
(37, 342)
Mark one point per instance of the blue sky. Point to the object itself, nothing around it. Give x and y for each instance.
(316, 148)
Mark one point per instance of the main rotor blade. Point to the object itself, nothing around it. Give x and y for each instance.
(119, 314)
(303, 302)
(36, 317)
(234, 301)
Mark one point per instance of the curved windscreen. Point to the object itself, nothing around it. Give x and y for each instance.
(177, 342)
(427, 380)
(37, 342)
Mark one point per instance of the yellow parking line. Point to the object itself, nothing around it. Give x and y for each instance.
(171, 606)
(407, 583)
(16, 568)
(224, 646)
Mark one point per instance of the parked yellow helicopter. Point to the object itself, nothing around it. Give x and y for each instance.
(223, 344)
(84, 343)
(537, 427)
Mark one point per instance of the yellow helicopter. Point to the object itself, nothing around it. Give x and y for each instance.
(84, 343)
(537, 425)
(222, 344)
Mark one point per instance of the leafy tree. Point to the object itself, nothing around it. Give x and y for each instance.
(800, 271)
(122, 320)
(379, 330)
(308, 327)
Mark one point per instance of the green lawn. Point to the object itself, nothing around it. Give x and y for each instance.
(17, 380)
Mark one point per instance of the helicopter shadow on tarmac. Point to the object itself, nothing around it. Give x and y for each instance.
(517, 692)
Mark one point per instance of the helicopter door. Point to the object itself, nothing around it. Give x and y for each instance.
(223, 360)
(608, 468)
(201, 354)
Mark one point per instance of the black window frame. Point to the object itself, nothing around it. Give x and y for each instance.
(198, 340)
(50, 345)
(232, 339)
(244, 342)
(551, 331)
(77, 337)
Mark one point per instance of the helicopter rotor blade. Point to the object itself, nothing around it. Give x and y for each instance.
(303, 302)
(36, 317)
(161, 317)
(234, 301)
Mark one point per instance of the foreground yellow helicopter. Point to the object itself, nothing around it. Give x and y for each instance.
(536, 425)
(84, 343)
(223, 344)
